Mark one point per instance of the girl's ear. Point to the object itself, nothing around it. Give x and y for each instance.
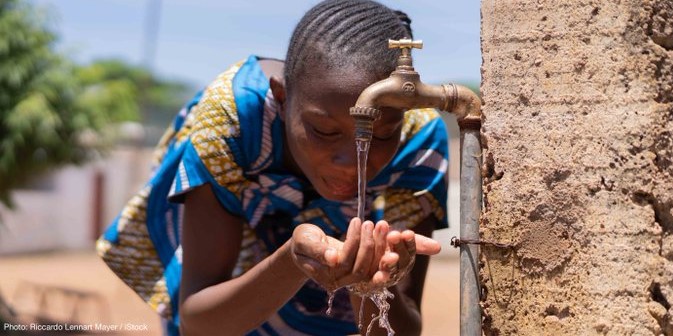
(278, 90)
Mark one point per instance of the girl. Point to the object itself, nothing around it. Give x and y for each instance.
(245, 224)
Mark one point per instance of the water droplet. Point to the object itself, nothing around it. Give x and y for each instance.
(330, 300)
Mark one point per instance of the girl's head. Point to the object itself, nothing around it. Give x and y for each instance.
(338, 49)
(345, 35)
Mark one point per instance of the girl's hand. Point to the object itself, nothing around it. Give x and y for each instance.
(399, 260)
(371, 256)
(335, 264)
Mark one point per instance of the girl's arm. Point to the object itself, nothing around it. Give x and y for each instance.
(405, 308)
(211, 302)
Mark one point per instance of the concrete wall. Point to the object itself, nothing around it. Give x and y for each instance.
(578, 138)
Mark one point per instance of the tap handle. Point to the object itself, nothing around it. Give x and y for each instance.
(405, 43)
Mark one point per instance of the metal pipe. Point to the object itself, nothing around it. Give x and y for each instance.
(470, 210)
(404, 90)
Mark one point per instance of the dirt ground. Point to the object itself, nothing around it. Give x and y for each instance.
(95, 295)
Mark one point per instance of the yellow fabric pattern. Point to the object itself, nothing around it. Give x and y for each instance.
(215, 118)
(414, 120)
(252, 251)
(135, 251)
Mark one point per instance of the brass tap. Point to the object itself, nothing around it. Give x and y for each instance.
(404, 90)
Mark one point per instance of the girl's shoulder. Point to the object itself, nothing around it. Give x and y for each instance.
(234, 114)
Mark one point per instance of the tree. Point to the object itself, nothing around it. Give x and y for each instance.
(48, 103)
(129, 93)
(39, 117)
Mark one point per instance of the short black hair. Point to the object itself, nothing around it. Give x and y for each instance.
(341, 33)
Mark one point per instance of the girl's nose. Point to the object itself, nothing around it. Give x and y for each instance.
(346, 160)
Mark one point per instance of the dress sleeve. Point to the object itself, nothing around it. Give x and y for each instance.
(208, 140)
(416, 181)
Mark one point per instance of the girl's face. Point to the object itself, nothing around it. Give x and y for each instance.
(320, 132)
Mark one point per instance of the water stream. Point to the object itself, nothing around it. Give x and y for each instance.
(363, 152)
(378, 296)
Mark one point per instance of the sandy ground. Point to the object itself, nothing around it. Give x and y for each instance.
(97, 296)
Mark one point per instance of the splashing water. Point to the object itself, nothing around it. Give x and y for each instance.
(330, 301)
(380, 298)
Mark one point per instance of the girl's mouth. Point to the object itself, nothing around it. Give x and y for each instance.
(341, 188)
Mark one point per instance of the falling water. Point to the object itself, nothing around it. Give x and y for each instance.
(363, 152)
(379, 296)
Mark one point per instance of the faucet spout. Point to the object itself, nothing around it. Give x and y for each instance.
(404, 90)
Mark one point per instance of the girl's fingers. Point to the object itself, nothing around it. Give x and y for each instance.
(387, 268)
(380, 232)
(310, 241)
(331, 257)
(409, 239)
(398, 244)
(423, 244)
(349, 251)
(361, 269)
(389, 261)
(426, 246)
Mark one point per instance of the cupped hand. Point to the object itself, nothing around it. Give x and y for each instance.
(399, 260)
(371, 256)
(335, 264)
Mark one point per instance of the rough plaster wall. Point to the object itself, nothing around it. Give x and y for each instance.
(578, 165)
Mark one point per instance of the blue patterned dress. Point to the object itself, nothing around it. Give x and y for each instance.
(230, 136)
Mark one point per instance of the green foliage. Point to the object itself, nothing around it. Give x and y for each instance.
(47, 103)
(38, 119)
(130, 93)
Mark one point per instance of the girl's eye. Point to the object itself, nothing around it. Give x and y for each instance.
(385, 137)
(324, 133)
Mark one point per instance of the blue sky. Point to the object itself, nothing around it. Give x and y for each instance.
(197, 39)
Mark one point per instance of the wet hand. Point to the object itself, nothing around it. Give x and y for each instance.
(372, 256)
(335, 264)
(309, 246)
(398, 261)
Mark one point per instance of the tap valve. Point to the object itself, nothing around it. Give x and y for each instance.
(405, 61)
(405, 44)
